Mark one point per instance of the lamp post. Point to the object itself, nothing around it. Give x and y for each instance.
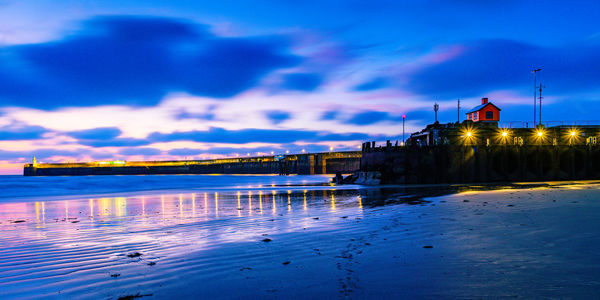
(534, 71)
(403, 120)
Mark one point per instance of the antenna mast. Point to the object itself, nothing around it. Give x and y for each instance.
(541, 87)
(458, 110)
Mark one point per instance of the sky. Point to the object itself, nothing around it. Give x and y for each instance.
(170, 80)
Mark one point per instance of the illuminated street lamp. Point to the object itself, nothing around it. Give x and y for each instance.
(403, 120)
(540, 135)
(503, 135)
(468, 135)
(573, 135)
(330, 149)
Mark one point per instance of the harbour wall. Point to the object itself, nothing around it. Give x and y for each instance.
(303, 164)
(480, 163)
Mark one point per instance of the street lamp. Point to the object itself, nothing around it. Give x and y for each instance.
(403, 120)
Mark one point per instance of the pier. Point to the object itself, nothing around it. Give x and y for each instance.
(301, 164)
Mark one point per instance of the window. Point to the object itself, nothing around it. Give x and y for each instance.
(489, 115)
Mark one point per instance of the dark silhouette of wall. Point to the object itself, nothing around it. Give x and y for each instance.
(456, 164)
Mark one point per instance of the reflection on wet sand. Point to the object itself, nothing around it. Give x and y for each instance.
(227, 204)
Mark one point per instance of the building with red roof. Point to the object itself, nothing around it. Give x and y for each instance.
(486, 112)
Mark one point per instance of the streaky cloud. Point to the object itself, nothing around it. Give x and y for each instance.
(487, 65)
(135, 60)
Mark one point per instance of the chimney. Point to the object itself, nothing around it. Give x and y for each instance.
(484, 100)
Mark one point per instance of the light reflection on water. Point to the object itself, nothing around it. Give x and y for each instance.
(180, 208)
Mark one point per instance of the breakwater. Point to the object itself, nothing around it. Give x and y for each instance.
(481, 163)
(304, 164)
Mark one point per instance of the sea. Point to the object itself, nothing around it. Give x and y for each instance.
(293, 237)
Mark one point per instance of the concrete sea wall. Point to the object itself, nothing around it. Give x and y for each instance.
(460, 164)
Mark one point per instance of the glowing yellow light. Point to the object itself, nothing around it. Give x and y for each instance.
(469, 134)
(287, 151)
(303, 150)
(573, 133)
(504, 133)
(330, 148)
(272, 152)
(539, 133)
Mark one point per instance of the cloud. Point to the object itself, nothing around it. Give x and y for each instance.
(104, 137)
(140, 151)
(302, 81)
(104, 133)
(278, 116)
(373, 84)
(21, 132)
(136, 60)
(219, 135)
(488, 65)
(209, 116)
(329, 115)
(44, 153)
(368, 117)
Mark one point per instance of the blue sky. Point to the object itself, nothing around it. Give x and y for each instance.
(88, 80)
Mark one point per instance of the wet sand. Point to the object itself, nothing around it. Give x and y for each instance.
(307, 242)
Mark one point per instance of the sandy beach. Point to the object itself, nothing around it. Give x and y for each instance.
(291, 239)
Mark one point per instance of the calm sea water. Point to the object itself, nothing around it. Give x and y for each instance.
(20, 188)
